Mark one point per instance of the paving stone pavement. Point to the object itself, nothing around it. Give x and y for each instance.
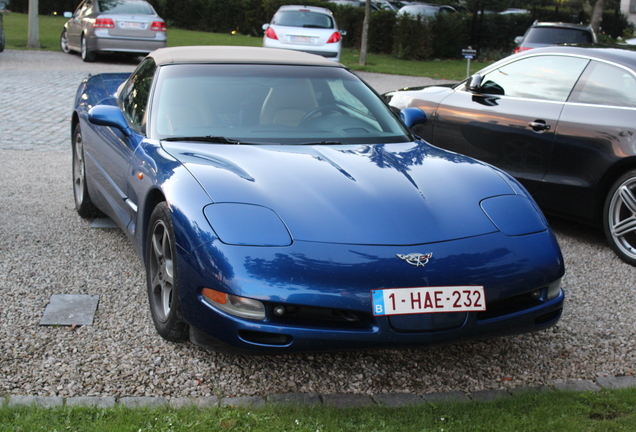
(338, 400)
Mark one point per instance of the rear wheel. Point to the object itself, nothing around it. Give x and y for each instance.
(87, 55)
(619, 217)
(64, 42)
(162, 276)
(83, 204)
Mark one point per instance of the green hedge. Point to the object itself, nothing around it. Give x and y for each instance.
(405, 38)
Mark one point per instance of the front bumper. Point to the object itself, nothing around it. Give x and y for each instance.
(329, 288)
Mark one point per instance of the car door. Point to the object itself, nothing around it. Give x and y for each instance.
(597, 128)
(510, 120)
(113, 150)
(75, 25)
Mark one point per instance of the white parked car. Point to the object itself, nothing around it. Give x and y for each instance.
(304, 28)
(425, 10)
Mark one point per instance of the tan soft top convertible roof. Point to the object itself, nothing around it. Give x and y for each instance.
(235, 54)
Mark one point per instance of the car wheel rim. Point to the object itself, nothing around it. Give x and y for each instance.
(78, 169)
(161, 271)
(64, 42)
(622, 217)
(84, 48)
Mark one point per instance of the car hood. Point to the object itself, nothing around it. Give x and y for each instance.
(393, 194)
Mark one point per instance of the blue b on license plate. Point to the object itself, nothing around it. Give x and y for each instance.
(403, 301)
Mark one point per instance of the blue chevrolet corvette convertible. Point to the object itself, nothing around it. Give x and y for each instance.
(279, 204)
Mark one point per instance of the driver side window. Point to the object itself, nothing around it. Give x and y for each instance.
(541, 77)
(134, 97)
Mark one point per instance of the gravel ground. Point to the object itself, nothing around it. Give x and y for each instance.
(45, 249)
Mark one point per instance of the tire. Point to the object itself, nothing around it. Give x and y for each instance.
(2, 41)
(64, 42)
(83, 203)
(87, 55)
(619, 217)
(162, 276)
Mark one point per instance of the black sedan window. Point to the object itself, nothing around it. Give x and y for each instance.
(604, 84)
(539, 77)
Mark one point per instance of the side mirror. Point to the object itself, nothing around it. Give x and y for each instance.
(265, 26)
(412, 116)
(343, 32)
(518, 39)
(3, 5)
(68, 14)
(109, 115)
(474, 83)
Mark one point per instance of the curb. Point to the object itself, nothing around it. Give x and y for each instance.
(339, 400)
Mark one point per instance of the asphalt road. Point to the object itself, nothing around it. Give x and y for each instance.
(45, 249)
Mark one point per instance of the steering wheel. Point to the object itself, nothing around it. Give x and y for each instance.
(326, 108)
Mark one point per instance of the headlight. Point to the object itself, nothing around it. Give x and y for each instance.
(242, 307)
(247, 225)
(554, 289)
(514, 215)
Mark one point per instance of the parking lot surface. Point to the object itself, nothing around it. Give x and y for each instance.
(46, 249)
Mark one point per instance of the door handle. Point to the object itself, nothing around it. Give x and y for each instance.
(539, 126)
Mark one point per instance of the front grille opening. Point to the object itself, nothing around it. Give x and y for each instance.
(315, 316)
(545, 319)
(511, 305)
(265, 338)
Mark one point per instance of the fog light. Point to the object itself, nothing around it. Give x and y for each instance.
(238, 306)
(554, 289)
(535, 294)
(279, 310)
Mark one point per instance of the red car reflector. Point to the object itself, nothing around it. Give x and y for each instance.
(270, 33)
(334, 38)
(103, 23)
(521, 49)
(158, 26)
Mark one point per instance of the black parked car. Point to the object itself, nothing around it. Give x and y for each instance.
(562, 120)
(542, 34)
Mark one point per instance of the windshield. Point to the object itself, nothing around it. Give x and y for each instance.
(556, 36)
(269, 104)
(126, 7)
(303, 18)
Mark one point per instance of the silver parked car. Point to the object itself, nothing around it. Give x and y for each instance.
(3, 6)
(124, 26)
(304, 28)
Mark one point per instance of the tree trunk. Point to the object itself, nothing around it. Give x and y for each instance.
(34, 33)
(365, 33)
(597, 15)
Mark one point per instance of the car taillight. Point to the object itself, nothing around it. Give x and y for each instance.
(158, 26)
(521, 49)
(103, 23)
(270, 33)
(334, 38)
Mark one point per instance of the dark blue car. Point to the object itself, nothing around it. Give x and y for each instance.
(280, 205)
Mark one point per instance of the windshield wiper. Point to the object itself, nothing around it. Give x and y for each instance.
(321, 143)
(208, 139)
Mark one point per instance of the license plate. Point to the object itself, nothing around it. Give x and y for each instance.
(404, 301)
(301, 39)
(132, 25)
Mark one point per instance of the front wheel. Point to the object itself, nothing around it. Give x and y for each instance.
(619, 217)
(83, 204)
(162, 276)
(87, 55)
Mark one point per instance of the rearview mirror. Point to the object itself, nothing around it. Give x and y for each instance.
(412, 116)
(109, 115)
(474, 83)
